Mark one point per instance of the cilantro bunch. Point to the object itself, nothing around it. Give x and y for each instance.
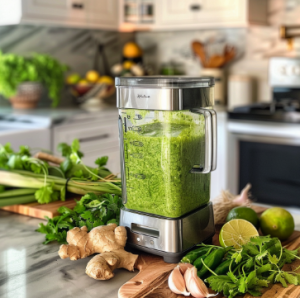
(91, 211)
(74, 167)
(256, 265)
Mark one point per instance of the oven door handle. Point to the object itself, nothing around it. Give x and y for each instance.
(210, 130)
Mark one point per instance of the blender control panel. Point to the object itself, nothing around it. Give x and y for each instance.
(144, 240)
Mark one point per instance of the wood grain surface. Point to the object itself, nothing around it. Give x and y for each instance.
(40, 210)
(152, 280)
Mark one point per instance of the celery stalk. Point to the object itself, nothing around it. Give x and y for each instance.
(26, 179)
(17, 192)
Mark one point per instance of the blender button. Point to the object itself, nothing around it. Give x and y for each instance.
(138, 239)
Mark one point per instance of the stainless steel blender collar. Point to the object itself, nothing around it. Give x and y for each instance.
(165, 82)
(167, 93)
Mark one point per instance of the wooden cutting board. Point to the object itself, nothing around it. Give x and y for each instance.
(152, 280)
(40, 210)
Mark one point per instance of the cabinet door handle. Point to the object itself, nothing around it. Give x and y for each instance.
(195, 7)
(88, 139)
(77, 5)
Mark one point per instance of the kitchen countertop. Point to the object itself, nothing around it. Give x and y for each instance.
(29, 269)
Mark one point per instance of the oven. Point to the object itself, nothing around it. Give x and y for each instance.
(267, 155)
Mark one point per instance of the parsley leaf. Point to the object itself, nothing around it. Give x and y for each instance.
(251, 249)
(290, 255)
(290, 278)
(273, 259)
(46, 194)
(260, 240)
(102, 161)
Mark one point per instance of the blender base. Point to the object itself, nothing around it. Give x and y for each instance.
(170, 238)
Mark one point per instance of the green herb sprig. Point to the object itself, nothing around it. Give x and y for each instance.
(52, 182)
(258, 264)
(91, 211)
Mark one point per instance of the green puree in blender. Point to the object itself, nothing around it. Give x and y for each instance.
(158, 160)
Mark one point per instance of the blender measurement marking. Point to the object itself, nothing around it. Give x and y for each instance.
(139, 176)
(137, 143)
(137, 155)
(135, 128)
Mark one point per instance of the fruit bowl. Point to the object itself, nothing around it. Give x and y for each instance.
(92, 86)
(79, 90)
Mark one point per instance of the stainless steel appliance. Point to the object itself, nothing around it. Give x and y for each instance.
(168, 149)
(264, 140)
(284, 78)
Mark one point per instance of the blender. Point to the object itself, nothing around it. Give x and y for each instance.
(167, 129)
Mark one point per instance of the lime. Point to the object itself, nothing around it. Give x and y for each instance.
(277, 222)
(236, 233)
(73, 78)
(243, 213)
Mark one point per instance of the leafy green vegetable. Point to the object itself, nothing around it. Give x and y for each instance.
(91, 211)
(40, 68)
(46, 194)
(73, 166)
(51, 181)
(259, 264)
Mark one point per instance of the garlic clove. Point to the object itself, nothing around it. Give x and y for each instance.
(184, 266)
(176, 282)
(195, 285)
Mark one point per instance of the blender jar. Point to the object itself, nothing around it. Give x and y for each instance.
(167, 137)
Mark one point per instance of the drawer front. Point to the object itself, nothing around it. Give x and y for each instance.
(100, 138)
(98, 135)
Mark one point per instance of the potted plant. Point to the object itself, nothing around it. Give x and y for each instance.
(22, 78)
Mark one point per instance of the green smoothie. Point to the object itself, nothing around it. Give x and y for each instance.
(158, 158)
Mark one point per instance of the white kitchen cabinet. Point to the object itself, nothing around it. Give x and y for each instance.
(52, 9)
(102, 14)
(98, 136)
(110, 14)
(206, 13)
(171, 11)
(197, 14)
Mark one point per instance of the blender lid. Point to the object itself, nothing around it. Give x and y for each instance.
(165, 81)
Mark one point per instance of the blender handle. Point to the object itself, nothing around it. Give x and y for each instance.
(122, 159)
(210, 162)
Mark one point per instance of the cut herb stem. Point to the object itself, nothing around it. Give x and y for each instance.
(17, 200)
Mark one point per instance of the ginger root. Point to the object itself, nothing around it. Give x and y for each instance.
(108, 240)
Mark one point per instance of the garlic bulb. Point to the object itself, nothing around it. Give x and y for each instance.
(176, 282)
(195, 285)
(184, 266)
